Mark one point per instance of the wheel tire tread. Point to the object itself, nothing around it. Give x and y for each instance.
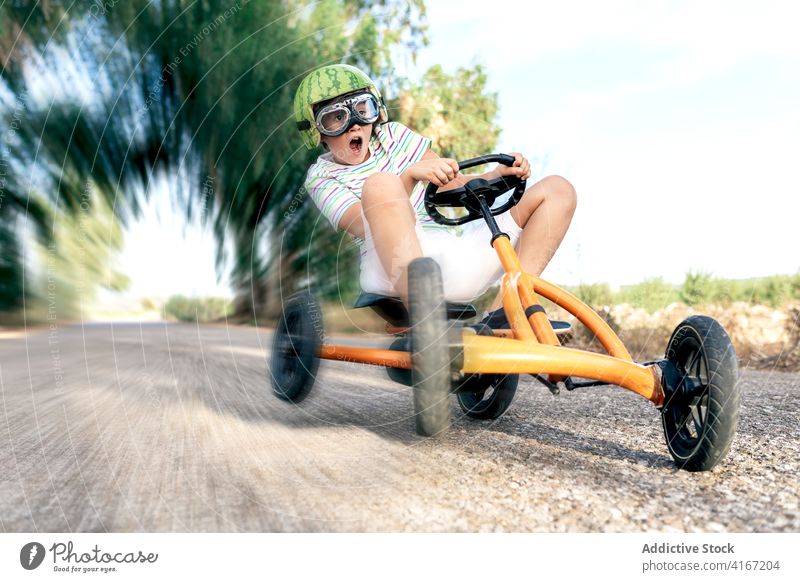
(721, 415)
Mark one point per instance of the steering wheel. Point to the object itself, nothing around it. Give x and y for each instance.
(469, 196)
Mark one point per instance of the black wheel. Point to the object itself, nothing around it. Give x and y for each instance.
(493, 400)
(295, 346)
(700, 416)
(430, 352)
(487, 396)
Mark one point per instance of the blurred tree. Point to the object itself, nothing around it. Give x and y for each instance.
(80, 257)
(197, 96)
(197, 309)
(194, 95)
(13, 207)
(11, 283)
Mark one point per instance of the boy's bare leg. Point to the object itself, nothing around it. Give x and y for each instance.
(544, 214)
(386, 206)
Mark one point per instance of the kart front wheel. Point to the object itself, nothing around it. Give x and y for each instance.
(700, 416)
(430, 352)
(295, 348)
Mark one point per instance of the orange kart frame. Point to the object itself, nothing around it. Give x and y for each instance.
(531, 346)
(695, 385)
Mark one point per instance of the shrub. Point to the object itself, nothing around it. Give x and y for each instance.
(774, 291)
(596, 295)
(651, 294)
(197, 308)
(777, 290)
(696, 288)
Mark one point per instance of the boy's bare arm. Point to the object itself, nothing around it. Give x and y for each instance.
(352, 222)
(460, 179)
(430, 168)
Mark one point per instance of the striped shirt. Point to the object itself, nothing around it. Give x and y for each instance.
(336, 187)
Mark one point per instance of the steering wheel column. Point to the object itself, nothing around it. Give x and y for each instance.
(476, 202)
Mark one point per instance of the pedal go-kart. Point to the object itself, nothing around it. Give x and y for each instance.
(435, 352)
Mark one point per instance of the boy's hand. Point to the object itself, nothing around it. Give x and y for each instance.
(437, 171)
(521, 167)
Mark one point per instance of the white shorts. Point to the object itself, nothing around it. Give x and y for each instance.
(469, 263)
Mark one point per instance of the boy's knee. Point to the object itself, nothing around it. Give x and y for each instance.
(562, 190)
(383, 187)
(381, 181)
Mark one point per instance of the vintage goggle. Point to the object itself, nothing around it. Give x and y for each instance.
(336, 118)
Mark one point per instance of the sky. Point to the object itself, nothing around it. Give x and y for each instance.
(678, 123)
(165, 256)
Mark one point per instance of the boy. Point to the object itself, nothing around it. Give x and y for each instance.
(371, 182)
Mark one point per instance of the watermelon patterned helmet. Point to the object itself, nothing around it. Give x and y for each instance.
(328, 83)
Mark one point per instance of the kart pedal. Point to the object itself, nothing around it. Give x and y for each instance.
(561, 327)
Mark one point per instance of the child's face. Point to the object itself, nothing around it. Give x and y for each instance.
(351, 147)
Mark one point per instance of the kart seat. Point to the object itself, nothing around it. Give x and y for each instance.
(393, 311)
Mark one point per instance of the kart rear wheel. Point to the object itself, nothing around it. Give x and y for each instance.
(295, 348)
(492, 402)
(487, 396)
(700, 417)
(430, 352)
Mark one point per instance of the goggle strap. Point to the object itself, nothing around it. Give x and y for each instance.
(303, 125)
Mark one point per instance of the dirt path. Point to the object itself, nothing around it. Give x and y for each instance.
(173, 428)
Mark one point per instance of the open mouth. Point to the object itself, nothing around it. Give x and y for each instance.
(356, 145)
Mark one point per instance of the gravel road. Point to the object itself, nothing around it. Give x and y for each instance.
(172, 427)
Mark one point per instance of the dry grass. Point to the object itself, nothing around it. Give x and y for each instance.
(763, 337)
(787, 357)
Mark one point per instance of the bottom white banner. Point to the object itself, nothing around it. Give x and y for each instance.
(405, 557)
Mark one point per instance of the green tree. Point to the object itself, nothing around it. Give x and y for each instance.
(455, 111)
